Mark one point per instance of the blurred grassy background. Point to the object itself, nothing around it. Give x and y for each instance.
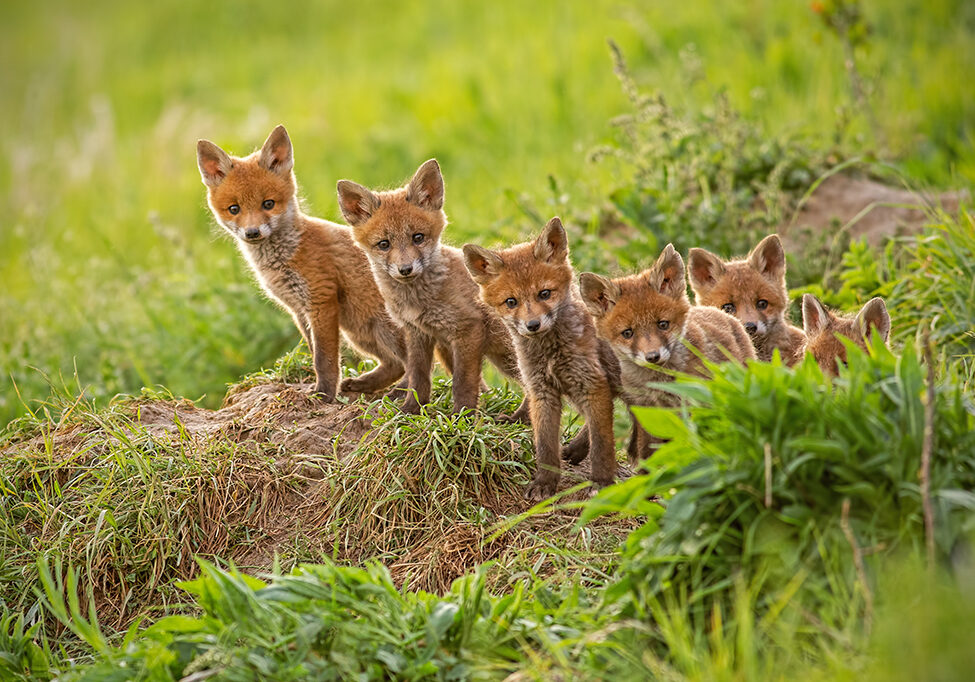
(109, 261)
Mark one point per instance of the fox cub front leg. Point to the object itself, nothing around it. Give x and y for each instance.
(546, 414)
(324, 326)
(419, 364)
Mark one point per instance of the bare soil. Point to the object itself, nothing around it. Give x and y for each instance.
(867, 209)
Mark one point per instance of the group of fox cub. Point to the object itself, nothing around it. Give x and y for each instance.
(397, 292)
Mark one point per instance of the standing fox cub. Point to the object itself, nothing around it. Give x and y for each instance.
(754, 291)
(309, 266)
(531, 288)
(647, 318)
(822, 328)
(426, 287)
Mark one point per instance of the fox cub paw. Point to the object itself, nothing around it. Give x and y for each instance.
(575, 450)
(356, 385)
(323, 394)
(541, 487)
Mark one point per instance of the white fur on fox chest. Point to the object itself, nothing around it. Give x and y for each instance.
(556, 361)
(271, 262)
(424, 302)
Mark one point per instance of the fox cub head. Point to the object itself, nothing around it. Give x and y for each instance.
(528, 283)
(753, 290)
(399, 229)
(251, 196)
(822, 327)
(641, 316)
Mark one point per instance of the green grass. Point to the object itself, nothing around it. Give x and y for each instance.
(114, 279)
(109, 257)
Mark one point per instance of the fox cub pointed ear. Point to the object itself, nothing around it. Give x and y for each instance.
(356, 202)
(874, 317)
(598, 293)
(667, 274)
(484, 265)
(704, 269)
(769, 258)
(426, 189)
(814, 315)
(277, 155)
(213, 161)
(552, 246)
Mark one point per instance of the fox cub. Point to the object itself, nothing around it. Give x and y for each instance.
(647, 318)
(822, 328)
(426, 286)
(754, 291)
(310, 266)
(531, 288)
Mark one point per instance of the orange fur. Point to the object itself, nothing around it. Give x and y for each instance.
(754, 291)
(426, 286)
(530, 287)
(649, 322)
(310, 267)
(824, 327)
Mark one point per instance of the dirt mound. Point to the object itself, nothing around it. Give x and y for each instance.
(134, 491)
(879, 211)
(286, 415)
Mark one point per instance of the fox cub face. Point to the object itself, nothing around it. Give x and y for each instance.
(753, 290)
(822, 328)
(641, 316)
(528, 283)
(250, 197)
(400, 229)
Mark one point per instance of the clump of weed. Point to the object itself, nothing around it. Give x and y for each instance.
(777, 474)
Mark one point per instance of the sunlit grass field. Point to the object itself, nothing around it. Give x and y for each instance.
(111, 268)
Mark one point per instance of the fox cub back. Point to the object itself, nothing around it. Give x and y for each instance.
(309, 266)
(531, 288)
(824, 327)
(649, 322)
(754, 291)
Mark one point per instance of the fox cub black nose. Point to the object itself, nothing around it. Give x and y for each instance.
(405, 269)
(533, 325)
(252, 232)
(653, 357)
(751, 327)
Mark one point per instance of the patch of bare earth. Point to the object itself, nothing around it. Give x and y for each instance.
(287, 461)
(867, 209)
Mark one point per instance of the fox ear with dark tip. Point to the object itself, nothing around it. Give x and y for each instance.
(426, 189)
(598, 293)
(213, 161)
(874, 317)
(484, 265)
(704, 270)
(277, 155)
(667, 274)
(769, 258)
(552, 246)
(814, 315)
(356, 202)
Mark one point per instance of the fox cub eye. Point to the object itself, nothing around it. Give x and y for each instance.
(233, 209)
(544, 294)
(511, 302)
(663, 325)
(627, 333)
(418, 238)
(729, 308)
(762, 304)
(268, 204)
(383, 245)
